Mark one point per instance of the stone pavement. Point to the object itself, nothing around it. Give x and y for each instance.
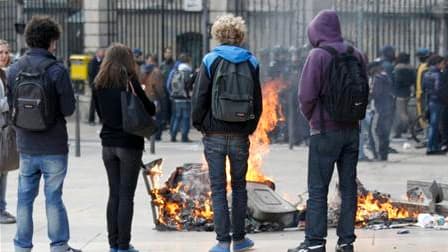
(85, 196)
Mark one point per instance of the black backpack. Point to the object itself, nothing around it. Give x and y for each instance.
(347, 95)
(33, 104)
(233, 92)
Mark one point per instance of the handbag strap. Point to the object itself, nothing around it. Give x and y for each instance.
(132, 88)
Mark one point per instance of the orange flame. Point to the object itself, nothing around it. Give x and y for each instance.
(369, 206)
(259, 140)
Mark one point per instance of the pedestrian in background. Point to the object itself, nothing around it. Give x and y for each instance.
(423, 55)
(333, 140)
(5, 216)
(384, 106)
(94, 67)
(180, 93)
(167, 67)
(41, 133)
(388, 59)
(404, 79)
(122, 152)
(432, 85)
(155, 90)
(226, 109)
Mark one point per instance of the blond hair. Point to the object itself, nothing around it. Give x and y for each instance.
(229, 29)
(5, 43)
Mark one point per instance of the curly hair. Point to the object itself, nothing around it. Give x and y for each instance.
(41, 31)
(229, 29)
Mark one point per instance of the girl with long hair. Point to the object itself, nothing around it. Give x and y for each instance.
(122, 152)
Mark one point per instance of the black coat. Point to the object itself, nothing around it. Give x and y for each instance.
(94, 68)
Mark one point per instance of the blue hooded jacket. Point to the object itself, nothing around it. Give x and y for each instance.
(233, 54)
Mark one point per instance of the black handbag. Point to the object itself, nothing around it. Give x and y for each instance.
(9, 157)
(136, 120)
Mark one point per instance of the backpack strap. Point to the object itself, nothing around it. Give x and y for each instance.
(330, 50)
(334, 53)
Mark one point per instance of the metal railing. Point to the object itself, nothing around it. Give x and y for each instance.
(405, 24)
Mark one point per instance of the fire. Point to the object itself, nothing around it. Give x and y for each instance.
(371, 207)
(259, 140)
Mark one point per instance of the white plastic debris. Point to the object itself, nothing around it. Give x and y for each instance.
(426, 221)
(406, 146)
(432, 221)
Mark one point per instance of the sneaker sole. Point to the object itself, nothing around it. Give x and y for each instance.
(244, 249)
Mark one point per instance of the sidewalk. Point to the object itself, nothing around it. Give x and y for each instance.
(85, 196)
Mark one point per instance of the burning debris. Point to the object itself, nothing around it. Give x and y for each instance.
(184, 202)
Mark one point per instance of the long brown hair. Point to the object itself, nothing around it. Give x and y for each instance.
(117, 68)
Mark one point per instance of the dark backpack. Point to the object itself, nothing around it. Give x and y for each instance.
(33, 103)
(233, 92)
(347, 95)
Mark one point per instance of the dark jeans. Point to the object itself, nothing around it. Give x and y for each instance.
(122, 166)
(340, 147)
(181, 119)
(435, 113)
(161, 124)
(236, 148)
(382, 126)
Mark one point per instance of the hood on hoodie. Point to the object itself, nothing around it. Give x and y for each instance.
(233, 54)
(325, 28)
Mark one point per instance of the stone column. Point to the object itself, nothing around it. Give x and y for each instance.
(96, 24)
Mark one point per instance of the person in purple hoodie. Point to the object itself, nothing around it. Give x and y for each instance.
(331, 142)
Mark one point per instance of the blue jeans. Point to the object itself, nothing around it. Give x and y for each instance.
(53, 168)
(340, 147)
(382, 126)
(435, 112)
(236, 148)
(3, 178)
(181, 119)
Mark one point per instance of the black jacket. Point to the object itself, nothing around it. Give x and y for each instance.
(55, 139)
(404, 79)
(382, 93)
(203, 119)
(107, 101)
(94, 68)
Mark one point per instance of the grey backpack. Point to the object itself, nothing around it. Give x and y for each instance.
(178, 84)
(233, 92)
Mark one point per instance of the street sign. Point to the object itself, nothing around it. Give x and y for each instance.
(192, 5)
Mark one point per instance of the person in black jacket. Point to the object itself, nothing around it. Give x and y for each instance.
(404, 78)
(226, 139)
(122, 152)
(94, 67)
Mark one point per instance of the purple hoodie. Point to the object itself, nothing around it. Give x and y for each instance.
(324, 29)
